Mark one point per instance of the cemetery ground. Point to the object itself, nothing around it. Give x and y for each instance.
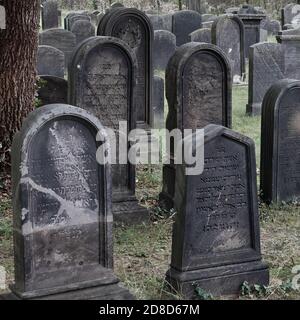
(142, 253)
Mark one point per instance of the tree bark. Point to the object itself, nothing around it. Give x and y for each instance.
(18, 53)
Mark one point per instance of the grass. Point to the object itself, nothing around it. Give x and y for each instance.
(142, 253)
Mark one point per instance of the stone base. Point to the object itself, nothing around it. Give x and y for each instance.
(129, 213)
(225, 280)
(253, 109)
(107, 292)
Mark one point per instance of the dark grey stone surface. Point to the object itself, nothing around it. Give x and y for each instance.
(161, 22)
(266, 66)
(163, 48)
(53, 90)
(105, 84)
(50, 61)
(158, 103)
(184, 23)
(135, 29)
(201, 95)
(216, 238)
(201, 35)
(280, 148)
(77, 17)
(49, 14)
(61, 207)
(83, 29)
(61, 39)
(271, 26)
(228, 33)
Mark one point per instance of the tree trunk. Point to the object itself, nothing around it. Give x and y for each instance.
(18, 51)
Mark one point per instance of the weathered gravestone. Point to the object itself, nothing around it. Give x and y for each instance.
(102, 80)
(78, 17)
(161, 22)
(216, 238)
(62, 209)
(271, 26)
(289, 12)
(201, 35)
(251, 20)
(50, 15)
(83, 29)
(208, 17)
(135, 29)
(50, 61)
(164, 47)
(63, 40)
(184, 23)
(199, 92)
(196, 5)
(228, 33)
(266, 66)
(280, 147)
(52, 90)
(158, 103)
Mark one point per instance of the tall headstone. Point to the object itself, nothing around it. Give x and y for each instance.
(199, 92)
(252, 20)
(216, 237)
(61, 39)
(228, 33)
(163, 48)
(266, 66)
(50, 14)
(201, 35)
(62, 209)
(135, 29)
(83, 29)
(105, 84)
(50, 61)
(158, 103)
(184, 23)
(52, 90)
(280, 147)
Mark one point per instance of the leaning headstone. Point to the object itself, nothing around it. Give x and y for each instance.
(50, 61)
(280, 148)
(52, 90)
(216, 236)
(252, 20)
(163, 48)
(62, 209)
(135, 29)
(50, 15)
(199, 92)
(158, 103)
(201, 35)
(266, 66)
(83, 29)
(105, 84)
(184, 23)
(61, 39)
(228, 33)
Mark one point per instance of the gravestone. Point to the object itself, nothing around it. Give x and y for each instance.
(228, 33)
(61, 39)
(117, 5)
(208, 17)
(105, 85)
(271, 26)
(163, 48)
(62, 209)
(50, 61)
(208, 24)
(184, 23)
(83, 30)
(161, 22)
(196, 5)
(52, 90)
(78, 17)
(158, 103)
(199, 92)
(266, 66)
(288, 27)
(49, 15)
(216, 236)
(201, 35)
(289, 12)
(135, 29)
(280, 155)
(252, 20)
